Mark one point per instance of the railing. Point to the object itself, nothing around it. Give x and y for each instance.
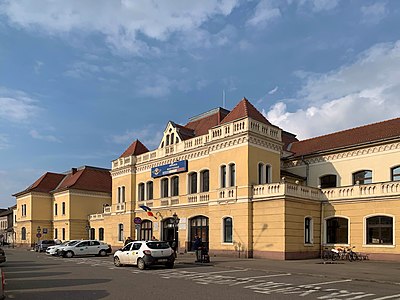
(120, 207)
(286, 189)
(107, 210)
(96, 217)
(363, 191)
(228, 193)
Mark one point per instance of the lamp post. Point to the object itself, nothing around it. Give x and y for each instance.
(176, 222)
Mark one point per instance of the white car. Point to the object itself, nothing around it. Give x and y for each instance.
(53, 250)
(144, 254)
(85, 247)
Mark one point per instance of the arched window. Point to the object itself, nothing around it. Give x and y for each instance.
(328, 181)
(268, 174)
(149, 190)
(121, 232)
(260, 173)
(395, 173)
(92, 233)
(175, 186)
(164, 187)
(101, 234)
(192, 183)
(141, 191)
(146, 230)
(380, 230)
(228, 229)
(308, 231)
(362, 177)
(167, 140)
(23, 233)
(172, 138)
(223, 176)
(199, 226)
(205, 181)
(232, 175)
(337, 230)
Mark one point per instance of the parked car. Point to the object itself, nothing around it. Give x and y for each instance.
(2, 256)
(43, 245)
(53, 250)
(85, 247)
(144, 254)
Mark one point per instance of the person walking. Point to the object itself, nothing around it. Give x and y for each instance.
(197, 247)
(128, 240)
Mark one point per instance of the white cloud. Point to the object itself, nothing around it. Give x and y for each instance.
(364, 92)
(273, 91)
(49, 138)
(145, 135)
(374, 13)
(321, 5)
(38, 65)
(17, 106)
(4, 143)
(82, 69)
(121, 22)
(264, 12)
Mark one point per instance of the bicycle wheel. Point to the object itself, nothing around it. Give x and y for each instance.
(325, 256)
(335, 256)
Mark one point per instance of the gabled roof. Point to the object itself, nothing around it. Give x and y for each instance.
(46, 183)
(136, 148)
(245, 109)
(184, 132)
(86, 178)
(350, 137)
(202, 123)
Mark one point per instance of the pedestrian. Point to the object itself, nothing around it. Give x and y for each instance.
(153, 238)
(197, 247)
(128, 240)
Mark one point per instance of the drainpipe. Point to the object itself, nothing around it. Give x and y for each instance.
(307, 169)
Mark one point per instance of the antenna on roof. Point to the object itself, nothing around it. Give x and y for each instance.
(223, 99)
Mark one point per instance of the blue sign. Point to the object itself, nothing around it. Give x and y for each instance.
(176, 167)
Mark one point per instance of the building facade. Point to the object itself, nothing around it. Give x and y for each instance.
(247, 187)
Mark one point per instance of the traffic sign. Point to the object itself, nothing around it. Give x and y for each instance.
(38, 235)
(137, 220)
(44, 230)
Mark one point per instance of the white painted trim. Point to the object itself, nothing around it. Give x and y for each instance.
(222, 230)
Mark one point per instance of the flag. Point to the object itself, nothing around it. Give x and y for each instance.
(148, 210)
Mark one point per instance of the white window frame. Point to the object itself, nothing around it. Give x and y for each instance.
(365, 231)
(223, 230)
(311, 243)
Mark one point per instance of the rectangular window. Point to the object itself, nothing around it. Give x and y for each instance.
(121, 232)
(149, 190)
(307, 231)
(164, 188)
(232, 174)
(205, 181)
(141, 191)
(63, 208)
(223, 176)
(119, 195)
(63, 234)
(175, 186)
(55, 209)
(123, 194)
(228, 230)
(55, 233)
(193, 183)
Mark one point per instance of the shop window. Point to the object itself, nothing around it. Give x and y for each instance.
(164, 187)
(337, 230)
(223, 176)
(380, 230)
(395, 173)
(328, 181)
(193, 183)
(228, 230)
(149, 190)
(175, 186)
(205, 181)
(141, 191)
(121, 232)
(23, 233)
(232, 175)
(362, 177)
(308, 231)
(101, 234)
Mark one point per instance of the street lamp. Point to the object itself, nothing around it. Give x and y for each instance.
(175, 222)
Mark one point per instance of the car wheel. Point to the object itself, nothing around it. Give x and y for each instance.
(69, 254)
(102, 253)
(117, 262)
(169, 265)
(141, 264)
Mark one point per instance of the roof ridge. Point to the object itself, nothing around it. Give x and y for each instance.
(344, 130)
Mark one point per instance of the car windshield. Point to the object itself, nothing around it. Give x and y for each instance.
(72, 243)
(157, 245)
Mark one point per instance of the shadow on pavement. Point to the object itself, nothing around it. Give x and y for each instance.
(53, 283)
(13, 275)
(60, 295)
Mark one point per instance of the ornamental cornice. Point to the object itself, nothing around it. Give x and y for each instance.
(263, 143)
(200, 152)
(123, 171)
(343, 155)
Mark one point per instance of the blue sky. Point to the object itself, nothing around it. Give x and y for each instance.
(80, 80)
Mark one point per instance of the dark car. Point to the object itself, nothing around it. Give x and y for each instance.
(2, 256)
(43, 245)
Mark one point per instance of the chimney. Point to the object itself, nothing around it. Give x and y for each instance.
(74, 170)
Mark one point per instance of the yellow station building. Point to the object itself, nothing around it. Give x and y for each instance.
(247, 187)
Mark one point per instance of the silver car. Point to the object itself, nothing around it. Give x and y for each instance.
(85, 247)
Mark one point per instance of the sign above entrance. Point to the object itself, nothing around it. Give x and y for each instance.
(176, 167)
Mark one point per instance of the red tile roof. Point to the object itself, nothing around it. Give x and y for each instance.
(201, 125)
(46, 183)
(88, 179)
(350, 137)
(136, 148)
(245, 109)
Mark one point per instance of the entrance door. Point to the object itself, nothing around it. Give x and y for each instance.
(199, 226)
(170, 232)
